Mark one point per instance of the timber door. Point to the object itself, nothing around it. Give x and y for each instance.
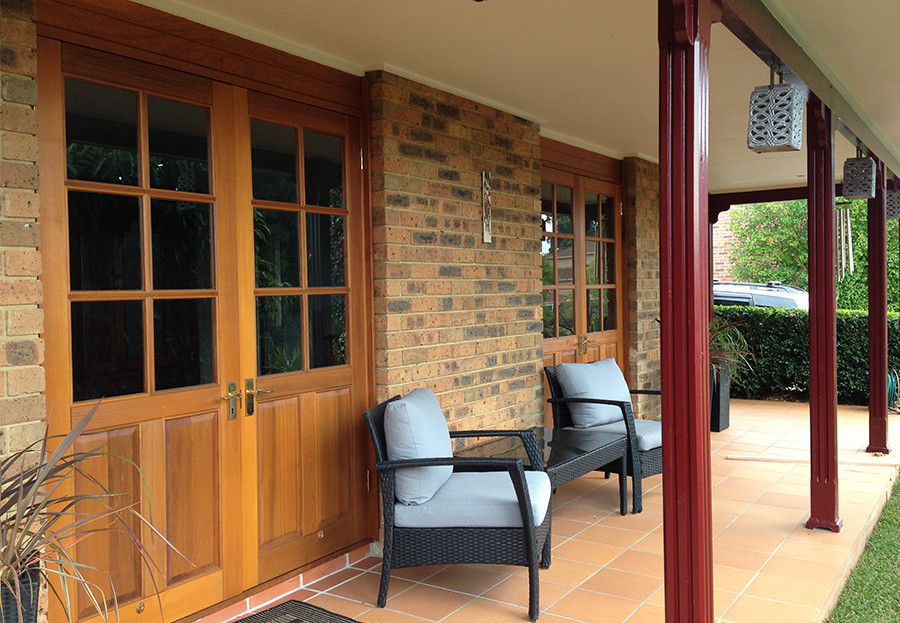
(581, 251)
(205, 255)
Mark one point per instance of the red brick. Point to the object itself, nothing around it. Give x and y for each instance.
(19, 204)
(19, 32)
(20, 322)
(25, 380)
(18, 60)
(18, 118)
(14, 146)
(17, 175)
(21, 292)
(23, 263)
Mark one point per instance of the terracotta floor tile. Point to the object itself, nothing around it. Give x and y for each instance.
(802, 591)
(415, 574)
(649, 613)
(364, 587)
(427, 602)
(471, 579)
(339, 605)
(597, 554)
(565, 572)
(493, 611)
(589, 606)
(334, 579)
(639, 562)
(748, 609)
(799, 568)
(603, 533)
(635, 586)
(584, 512)
(383, 615)
(561, 527)
(738, 557)
(749, 540)
(515, 591)
(722, 601)
(731, 579)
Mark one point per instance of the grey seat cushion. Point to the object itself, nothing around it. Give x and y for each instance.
(649, 432)
(415, 428)
(477, 500)
(599, 379)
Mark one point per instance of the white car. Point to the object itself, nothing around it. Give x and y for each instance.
(771, 294)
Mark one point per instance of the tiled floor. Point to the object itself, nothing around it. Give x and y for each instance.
(768, 566)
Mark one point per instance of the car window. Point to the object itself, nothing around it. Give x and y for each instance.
(767, 300)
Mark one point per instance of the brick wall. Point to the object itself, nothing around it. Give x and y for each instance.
(452, 312)
(641, 181)
(21, 320)
(722, 241)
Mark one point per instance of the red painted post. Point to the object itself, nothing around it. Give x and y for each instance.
(878, 329)
(822, 335)
(684, 30)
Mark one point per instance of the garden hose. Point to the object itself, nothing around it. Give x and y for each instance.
(893, 382)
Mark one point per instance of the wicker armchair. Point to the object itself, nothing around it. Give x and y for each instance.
(521, 544)
(645, 436)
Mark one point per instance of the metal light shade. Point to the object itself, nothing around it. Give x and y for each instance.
(776, 118)
(859, 178)
(892, 199)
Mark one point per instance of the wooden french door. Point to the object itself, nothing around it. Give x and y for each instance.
(204, 250)
(582, 267)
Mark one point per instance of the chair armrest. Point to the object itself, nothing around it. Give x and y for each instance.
(597, 401)
(528, 437)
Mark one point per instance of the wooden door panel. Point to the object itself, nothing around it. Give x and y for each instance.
(280, 441)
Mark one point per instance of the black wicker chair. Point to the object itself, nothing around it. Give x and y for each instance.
(641, 464)
(412, 547)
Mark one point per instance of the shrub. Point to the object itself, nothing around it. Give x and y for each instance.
(779, 339)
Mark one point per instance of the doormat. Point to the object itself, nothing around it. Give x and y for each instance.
(296, 612)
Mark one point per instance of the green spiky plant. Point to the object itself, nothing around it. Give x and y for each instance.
(42, 519)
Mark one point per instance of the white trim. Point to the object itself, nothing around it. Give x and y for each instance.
(577, 142)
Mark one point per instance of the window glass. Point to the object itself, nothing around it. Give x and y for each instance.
(104, 242)
(182, 244)
(274, 156)
(276, 235)
(325, 250)
(107, 349)
(278, 340)
(327, 331)
(323, 170)
(564, 210)
(179, 145)
(183, 341)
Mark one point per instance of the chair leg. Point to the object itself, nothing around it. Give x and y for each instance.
(637, 505)
(385, 580)
(534, 586)
(545, 550)
(623, 487)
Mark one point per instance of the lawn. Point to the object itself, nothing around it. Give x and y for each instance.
(872, 593)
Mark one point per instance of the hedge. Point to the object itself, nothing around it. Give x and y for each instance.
(779, 339)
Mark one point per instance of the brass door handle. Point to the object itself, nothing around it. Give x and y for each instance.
(583, 341)
(249, 387)
(232, 397)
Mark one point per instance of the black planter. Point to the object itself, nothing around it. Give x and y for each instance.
(719, 403)
(29, 586)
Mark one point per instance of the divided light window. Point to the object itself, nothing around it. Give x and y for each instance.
(140, 223)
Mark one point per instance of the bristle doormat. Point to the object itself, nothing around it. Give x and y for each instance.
(296, 612)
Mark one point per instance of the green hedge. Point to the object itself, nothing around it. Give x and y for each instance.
(780, 342)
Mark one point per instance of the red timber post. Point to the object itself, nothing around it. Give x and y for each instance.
(878, 328)
(822, 335)
(684, 32)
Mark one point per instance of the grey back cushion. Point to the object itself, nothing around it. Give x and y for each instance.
(599, 379)
(415, 428)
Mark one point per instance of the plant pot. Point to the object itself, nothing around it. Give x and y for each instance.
(720, 400)
(29, 588)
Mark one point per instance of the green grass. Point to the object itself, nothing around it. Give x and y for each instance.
(872, 593)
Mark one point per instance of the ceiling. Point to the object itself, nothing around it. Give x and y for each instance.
(587, 73)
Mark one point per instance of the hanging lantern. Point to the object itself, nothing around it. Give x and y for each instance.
(892, 199)
(859, 178)
(776, 118)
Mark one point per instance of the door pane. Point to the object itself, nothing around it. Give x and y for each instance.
(564, 210)
(549, 313)
(566, 312)
(547, 207)
(609, 263)
(179, 145)
(593, 311)
(609, 310)
(274, 155)
(107, 349)
(608, 216)
(548, 275)
(183, 339)
(276, 234)
(101, 133)
(327, 331)
(325, 250)
(565, 259)
(278, 342)
(593, 262)
(182, 249)
(104, 242)
(323, 169)
(591, 214)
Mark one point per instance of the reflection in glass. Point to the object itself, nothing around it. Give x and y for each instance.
(182, 235)
(549, 314)
(276, 236)
(564, 210)
(591, 214)
(278, 340)
(183, 342)
(101, 133)
(565, 261)
(323, 169)
(325, 250)
(566, 312)
(593, 311)
(609, 310)
(327, 331)
(547, 206)
(547, 274)
(104, 242)
(608, 214)
(593, 262)
(609, 263)
(179, 145)
(274, 155)
(107, 349)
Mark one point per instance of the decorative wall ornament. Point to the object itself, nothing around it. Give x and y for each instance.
(486, 206)
(859, 178)
(776, 118)
(892, 199)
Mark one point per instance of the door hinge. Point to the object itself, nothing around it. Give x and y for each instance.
(368, 481)
(361, 159)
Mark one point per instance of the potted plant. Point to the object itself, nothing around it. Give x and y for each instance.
(728, 352)
(42, 519)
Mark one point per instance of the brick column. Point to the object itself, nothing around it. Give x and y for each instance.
(453, 312)
(21, 320)
(641, 179)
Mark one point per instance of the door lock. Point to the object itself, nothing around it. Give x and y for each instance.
(232, 397)
(583, 342)
(248, 388)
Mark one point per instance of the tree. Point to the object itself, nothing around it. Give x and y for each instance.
(771, 245)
